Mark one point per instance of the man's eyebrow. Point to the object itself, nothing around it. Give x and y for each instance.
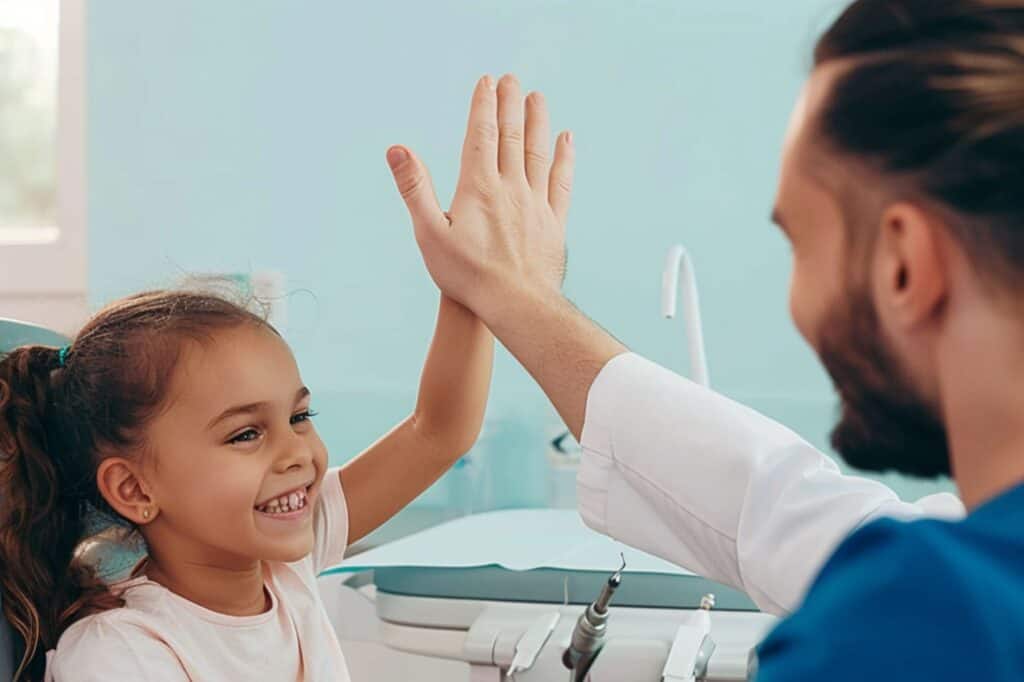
(249, 408)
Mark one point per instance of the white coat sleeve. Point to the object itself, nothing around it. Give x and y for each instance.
(681, 472)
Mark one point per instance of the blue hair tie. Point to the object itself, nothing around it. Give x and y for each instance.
(62, 354)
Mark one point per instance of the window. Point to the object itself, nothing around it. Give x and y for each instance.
(28, 121)
(42, 161)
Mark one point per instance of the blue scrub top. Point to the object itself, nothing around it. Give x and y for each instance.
(921, 600)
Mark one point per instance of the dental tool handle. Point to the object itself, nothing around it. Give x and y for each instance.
(587, 642)
(589, 634)
(692, 647)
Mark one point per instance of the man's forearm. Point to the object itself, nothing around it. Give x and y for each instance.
(559, 346)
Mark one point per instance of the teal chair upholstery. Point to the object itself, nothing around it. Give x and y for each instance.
(14, 333)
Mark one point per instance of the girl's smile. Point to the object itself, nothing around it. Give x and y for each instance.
(291, 506)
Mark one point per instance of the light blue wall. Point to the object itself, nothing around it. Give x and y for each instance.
(237, 136)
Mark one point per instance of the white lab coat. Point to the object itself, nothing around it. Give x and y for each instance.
(674, 469)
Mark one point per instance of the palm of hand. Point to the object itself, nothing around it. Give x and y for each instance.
(506, 224)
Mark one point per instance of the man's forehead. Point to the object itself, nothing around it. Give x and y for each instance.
(807, 157)
(803, 140)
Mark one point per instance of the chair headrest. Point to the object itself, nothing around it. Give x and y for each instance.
(14, 333)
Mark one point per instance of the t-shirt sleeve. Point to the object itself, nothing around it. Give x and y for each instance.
(330, 523)
(102, 649)
(886, 603)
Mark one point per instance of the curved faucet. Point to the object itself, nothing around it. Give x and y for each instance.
(678, 276)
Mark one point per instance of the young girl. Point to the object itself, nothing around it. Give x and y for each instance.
(184, 415)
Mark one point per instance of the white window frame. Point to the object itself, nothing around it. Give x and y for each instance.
(45, 268)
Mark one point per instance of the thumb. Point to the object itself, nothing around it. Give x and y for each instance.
(414, 184)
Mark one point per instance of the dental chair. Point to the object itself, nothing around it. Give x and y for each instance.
(507, 590)
(14, 333)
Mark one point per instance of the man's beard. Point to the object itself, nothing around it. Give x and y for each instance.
(884, 424)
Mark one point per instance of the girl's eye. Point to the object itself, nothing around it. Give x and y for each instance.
(246, 436)
(250, 435)
(303, 416)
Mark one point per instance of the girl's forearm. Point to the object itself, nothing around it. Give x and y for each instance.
(392, 472)
(455, 382)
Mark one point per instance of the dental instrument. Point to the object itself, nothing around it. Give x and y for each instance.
(588, 637)
(531, 643)
(692, 647)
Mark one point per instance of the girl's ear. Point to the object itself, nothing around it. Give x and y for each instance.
(122, 485)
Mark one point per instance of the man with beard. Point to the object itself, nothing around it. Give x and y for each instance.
(902, 194)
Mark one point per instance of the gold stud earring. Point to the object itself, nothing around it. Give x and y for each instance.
(145, 513)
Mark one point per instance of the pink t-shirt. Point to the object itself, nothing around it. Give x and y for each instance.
(160, 636)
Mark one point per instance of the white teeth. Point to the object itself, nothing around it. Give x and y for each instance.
(285, 503)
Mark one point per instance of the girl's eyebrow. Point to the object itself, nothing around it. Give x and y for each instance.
(249, 408)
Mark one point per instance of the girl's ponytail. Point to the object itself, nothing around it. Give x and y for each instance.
(41, 519)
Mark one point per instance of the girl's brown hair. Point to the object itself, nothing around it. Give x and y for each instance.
(59, 417)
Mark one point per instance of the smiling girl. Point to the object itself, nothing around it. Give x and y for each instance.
(184, 416)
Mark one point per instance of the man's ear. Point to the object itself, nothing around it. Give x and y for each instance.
(122, 485)
(910, 277)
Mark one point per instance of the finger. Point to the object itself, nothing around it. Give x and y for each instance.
(480, 149)
(510, 128)
(538, 142)
(417, 190)
(560, 184)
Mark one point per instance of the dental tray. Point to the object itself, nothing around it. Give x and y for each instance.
(551, 586)
(530, 555)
